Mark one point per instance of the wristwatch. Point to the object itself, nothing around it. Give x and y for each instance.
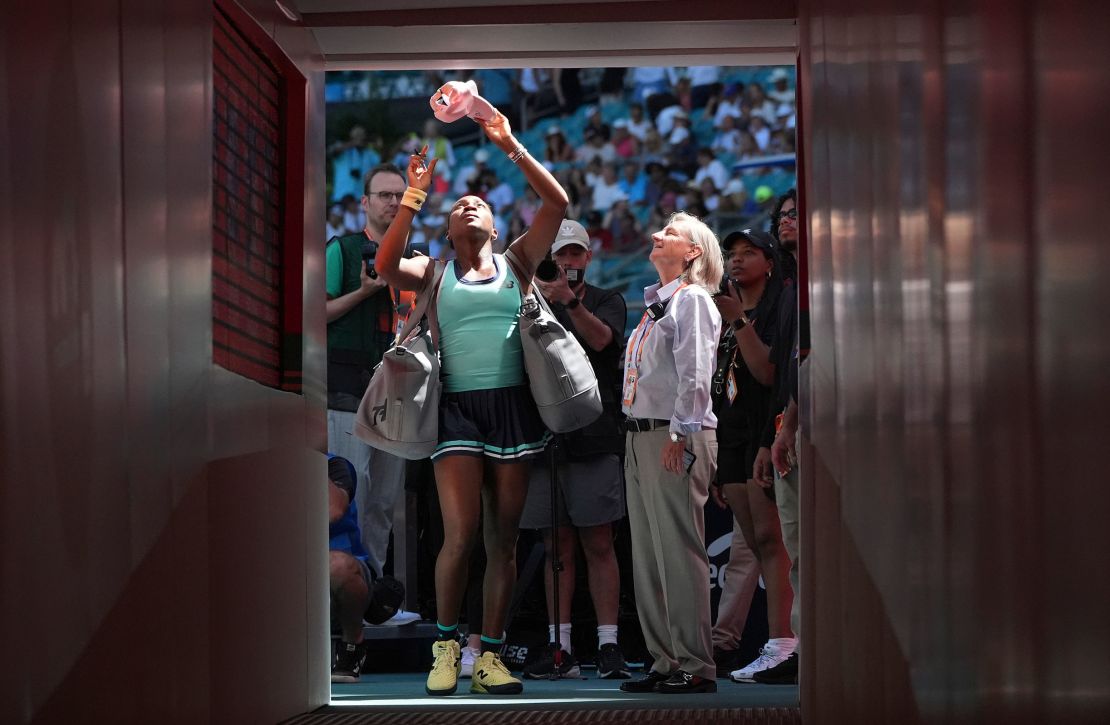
(573, 303)
(676, 437)
(741, 323)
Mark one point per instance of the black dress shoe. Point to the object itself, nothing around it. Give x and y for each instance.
(644, 684)
(683, 683)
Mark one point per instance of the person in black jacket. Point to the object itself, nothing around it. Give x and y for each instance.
(591, 489)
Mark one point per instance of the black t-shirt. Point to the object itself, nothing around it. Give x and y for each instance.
(604, 435)
(742, 419)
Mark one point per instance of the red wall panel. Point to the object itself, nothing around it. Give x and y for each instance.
(115, 427)
(957, 373)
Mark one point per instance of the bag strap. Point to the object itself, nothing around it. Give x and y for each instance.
(424, 298)
(527, 296)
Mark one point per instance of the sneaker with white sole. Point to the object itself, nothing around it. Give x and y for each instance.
(770, 655)
(348, 662)
(469, 654)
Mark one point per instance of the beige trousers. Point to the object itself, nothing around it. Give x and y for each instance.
(670, 567)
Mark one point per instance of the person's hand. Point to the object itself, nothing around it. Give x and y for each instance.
(782, 451)
(672, 456)
(761, 471)
(557, 290)
(369, 285)
(717, 494)
(497, 130)
(729, 304)
(420, 174)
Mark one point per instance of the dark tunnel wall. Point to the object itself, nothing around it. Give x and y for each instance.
(161, 519)
(958, 401)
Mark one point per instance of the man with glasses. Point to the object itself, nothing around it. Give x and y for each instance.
(361, 326)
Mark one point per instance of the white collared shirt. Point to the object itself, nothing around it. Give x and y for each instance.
(674, 358)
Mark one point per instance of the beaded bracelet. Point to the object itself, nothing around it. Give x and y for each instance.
(414, 198)
(517, 154)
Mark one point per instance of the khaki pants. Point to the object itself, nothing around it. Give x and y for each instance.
(786, 496)
(741, 578)
(670, 567)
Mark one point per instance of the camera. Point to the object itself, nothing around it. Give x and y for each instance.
(547, 270)
(369, 252)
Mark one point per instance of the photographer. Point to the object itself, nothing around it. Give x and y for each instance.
(361, 326)
(591, 489)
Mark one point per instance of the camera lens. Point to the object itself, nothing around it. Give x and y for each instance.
(547, 270)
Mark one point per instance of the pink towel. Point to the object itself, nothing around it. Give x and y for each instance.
(454, 100)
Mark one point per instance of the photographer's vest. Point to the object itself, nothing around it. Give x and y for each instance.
(358, 339)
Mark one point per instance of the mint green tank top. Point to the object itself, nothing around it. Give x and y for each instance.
(479, 344)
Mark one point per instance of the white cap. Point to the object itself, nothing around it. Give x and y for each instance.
(734, 186)
(620, 123)
(570, 232)
(481, 156)
(778, 74)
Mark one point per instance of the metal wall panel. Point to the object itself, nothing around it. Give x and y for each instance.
(115, 429)
(956, 387)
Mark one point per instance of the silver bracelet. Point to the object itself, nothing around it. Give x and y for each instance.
(517, 154)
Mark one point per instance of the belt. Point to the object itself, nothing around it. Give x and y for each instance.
(642, 425)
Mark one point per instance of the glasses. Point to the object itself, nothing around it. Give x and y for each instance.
(385, 196)
(792, 214)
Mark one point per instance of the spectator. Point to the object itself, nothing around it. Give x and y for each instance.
(684, 149)
(467, 179)
(665, 121)
(496, 86)
(354, 217)
(656, 178)
(556, 149)
(729, 105)
(749, 307)
(624, 227)
(334, 224)
(607, 190)
(633, 183)
(439, 147)
(533, 82)
(352, 159)
(611, 85)
(749, 149)
(664, 209)
(683, 94)
(759, 130)
(527, 207)
(733, 197)
(705, 84)
(495, 191)
(781, 92)
(647, 81)
(624, 143)
(654, 148)
(600, 236)
(709, 167)
(589, 476)
(670, 455)
(595, 147)
(709, 196)
(638, 125)
(593, 121)
(727, 140)
(356, 593)
(568, 89)
(361, 327)
(761, 104)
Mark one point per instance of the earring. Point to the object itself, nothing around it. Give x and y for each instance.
(768, 274)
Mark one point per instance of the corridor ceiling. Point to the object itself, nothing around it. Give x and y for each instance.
(414, 34)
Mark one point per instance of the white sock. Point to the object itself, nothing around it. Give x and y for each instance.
(606, 634)
(785, 645)
(564, 635)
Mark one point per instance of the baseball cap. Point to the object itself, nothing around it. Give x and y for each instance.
(734, 186)
(552, 130)
(570, 232)
(778, 74)
(758, 239)
(590, 110)
(481, 156)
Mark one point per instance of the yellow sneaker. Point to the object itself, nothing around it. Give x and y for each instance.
(444, 676)
(491, 677)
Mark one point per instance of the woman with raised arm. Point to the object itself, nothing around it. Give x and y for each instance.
(488, 423)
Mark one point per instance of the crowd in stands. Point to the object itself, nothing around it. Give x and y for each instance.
(630, 146)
